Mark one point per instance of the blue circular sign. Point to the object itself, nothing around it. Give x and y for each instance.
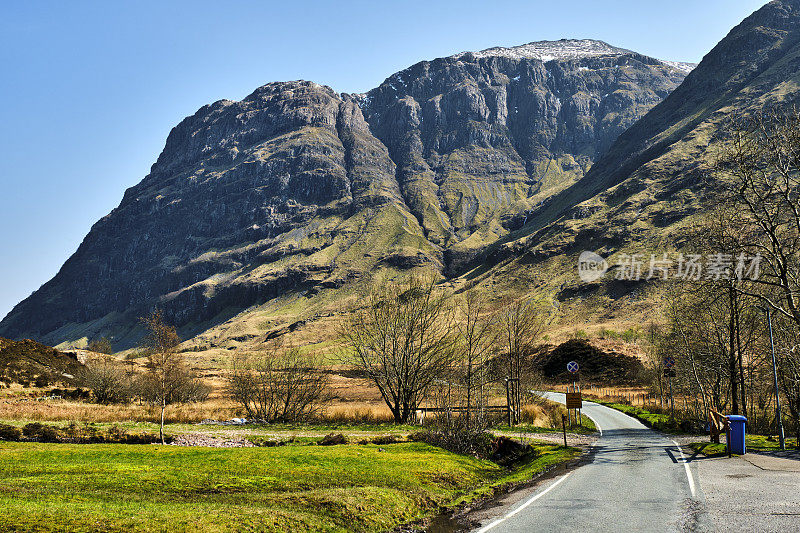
(573, 367)
(669, 361)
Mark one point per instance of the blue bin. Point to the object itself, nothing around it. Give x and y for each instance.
(737, 423)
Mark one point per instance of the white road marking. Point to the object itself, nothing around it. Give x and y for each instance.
(490, 525)
(686, 466)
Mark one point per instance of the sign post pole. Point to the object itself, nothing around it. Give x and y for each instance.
(669, 373)
(574, 396)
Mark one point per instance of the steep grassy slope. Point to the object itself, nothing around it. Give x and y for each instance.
(642, 195)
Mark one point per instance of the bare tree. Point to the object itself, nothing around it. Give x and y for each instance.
(402, 340)
(168, 379)
(760, 167)
(788, 350)
(278, 384)
(697, 335)
(101, 345)
(107, 380)
(477, 335)
(521, 322)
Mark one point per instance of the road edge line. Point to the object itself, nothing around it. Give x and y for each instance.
(686, 467)
(524, 505)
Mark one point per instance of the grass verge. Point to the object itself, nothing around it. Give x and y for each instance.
(115, 487)
(756, 443)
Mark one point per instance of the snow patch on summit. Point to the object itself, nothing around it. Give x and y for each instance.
(550, 50)
(563, 50)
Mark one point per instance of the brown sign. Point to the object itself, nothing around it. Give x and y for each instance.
(574, 400)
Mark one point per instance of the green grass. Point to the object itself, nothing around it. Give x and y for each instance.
(756, 443)
(113, 487)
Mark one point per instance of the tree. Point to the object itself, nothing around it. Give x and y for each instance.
(787, 339)
(278, 384)
(477, 335)
(401, 339)
(760, 169)
(521, 324)
(107, 380)
(168, 379)
(101, 345)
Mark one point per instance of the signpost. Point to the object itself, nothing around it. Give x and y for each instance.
(669, 373)
(574, 400)
(574, 396)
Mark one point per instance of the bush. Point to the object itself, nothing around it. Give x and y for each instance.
(10, 433)
(278, 385)
(462, 442)
(41, 433)
(506, 450)
(332, 439)
(108, 381)
(385, 439)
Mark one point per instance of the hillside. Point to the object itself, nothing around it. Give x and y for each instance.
(28, 362)
(272, 211)
(642, 195)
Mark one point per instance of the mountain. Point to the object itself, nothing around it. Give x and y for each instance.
(644, 190)
(275, 208)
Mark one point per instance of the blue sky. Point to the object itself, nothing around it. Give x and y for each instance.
(90, 90)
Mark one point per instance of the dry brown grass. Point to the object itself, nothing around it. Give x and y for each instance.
(61, 410)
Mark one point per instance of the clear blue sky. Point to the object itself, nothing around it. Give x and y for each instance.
(90, 90)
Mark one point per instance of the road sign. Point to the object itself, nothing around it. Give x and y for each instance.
(574, 400)
(669, 361)
(573, 367)
(669, 373)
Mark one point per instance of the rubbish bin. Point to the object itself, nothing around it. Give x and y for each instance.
(737, 423)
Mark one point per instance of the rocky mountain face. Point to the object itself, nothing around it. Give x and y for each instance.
(640, 194)
(297, 189)
(481, 139)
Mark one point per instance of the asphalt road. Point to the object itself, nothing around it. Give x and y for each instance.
(638, 481)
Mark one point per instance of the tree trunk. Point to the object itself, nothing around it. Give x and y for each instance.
(732, 357)
(161, 429)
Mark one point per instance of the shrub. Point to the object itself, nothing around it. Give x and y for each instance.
(332, 439)
(278, 385)
(385, 439)
(462, 442)
(108, 381)
(40, 432)
(10, 433)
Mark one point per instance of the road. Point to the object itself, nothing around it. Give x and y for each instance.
(637, 481)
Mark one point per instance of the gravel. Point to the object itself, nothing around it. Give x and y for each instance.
(199, 439)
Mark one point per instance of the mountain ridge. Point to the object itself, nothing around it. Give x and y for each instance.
(658, 173)
(297, 189)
